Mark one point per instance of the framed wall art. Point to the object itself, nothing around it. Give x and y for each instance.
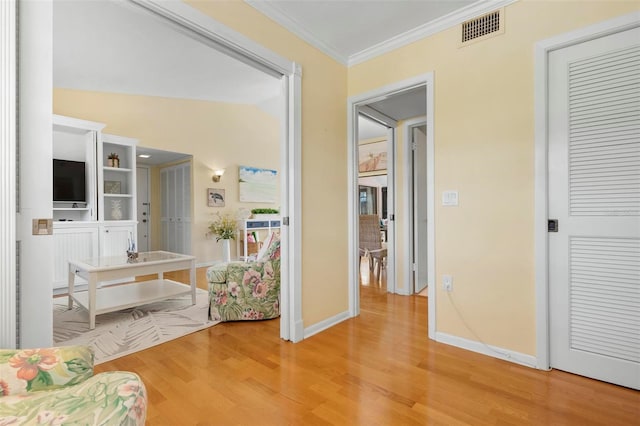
(215, 197)
(372, 158)
(258, 185)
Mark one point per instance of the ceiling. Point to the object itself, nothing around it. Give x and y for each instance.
(110, 46)
(114, 46)
(354, 31)
(399, 106)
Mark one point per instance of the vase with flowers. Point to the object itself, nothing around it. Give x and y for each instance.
(224, 227)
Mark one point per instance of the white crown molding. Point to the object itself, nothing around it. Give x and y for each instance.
(273, 11)
(447, 21)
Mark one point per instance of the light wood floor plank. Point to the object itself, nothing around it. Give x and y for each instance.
(377, 369)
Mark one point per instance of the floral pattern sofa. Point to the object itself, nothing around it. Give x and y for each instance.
(56, 386)
(247, 290)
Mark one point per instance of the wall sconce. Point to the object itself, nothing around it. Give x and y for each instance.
(217, 174)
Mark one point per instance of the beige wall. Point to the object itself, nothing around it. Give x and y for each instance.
(218, 135)
(324, 157)
(484, 148)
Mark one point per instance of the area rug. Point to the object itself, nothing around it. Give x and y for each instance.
(131, 330)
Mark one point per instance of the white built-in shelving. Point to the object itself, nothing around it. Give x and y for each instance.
(104, 224)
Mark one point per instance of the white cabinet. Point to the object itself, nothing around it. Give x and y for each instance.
(115, 237)
(72, 240)
(175, 182)
(105, 220)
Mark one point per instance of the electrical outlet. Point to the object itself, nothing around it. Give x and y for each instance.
(447, 282)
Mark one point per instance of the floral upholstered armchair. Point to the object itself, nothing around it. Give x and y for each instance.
(247, 290)
(56, 386)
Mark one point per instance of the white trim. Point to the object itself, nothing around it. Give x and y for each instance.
(353, 104)
(431, 207)
(542, 50)
(34, 98)
(352, 209)
(294, 132)
(456, 17)
(207, 264)
(489, 350)
(376, 115)
(408, 288)
(326, 324)
(276, 13)
(223, 38)
(392, 188)
(8, 174)
(273, 11)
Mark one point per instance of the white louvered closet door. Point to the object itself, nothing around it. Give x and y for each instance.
(594, 192)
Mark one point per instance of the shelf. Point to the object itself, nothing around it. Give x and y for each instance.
(118, 195)
(60, 209)
(117, 169)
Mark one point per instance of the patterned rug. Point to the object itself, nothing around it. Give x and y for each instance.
(131, 330)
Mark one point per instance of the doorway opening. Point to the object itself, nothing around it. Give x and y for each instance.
(206, 31)
(394, 106)
(155, 224)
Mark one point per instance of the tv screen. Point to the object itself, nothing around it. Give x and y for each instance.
(69, 181)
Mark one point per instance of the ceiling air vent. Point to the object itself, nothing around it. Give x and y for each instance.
(483, 27)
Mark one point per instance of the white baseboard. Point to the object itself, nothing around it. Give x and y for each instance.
(207, 264)
(298, 332)
(489, 350)
(403, 291)
(323, 325)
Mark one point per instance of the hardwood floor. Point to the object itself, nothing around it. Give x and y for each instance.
(377, 369)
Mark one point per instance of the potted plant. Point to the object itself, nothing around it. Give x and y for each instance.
(265, 213)
(224, 227)
(113, 160)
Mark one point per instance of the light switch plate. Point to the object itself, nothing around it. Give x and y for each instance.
(450, 198)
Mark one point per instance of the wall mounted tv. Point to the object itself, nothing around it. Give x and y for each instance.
(69, 181)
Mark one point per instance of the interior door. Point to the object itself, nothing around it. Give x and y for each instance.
(142, 192)
(594, 194)
(176, 208)
(420, 208)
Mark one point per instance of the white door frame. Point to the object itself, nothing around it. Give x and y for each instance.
(353, 103)
(147, 169)
(8, 140)
(408, 238)
(542, 50)
(223, 38)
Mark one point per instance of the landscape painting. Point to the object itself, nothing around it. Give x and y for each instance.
(258, 185)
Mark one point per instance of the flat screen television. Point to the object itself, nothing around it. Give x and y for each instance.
(69, 181)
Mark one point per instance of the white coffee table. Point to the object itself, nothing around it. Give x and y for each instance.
(109, 299)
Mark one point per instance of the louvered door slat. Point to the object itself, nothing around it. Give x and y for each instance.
(596, 308)
(605, 143)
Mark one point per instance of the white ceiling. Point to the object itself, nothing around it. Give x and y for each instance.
(399, 106)
(369, 129)
(109, 46)
(354, 31)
